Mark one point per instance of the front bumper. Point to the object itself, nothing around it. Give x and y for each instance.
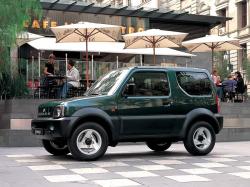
(49, 128)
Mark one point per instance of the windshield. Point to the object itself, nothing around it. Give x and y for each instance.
(107, 84)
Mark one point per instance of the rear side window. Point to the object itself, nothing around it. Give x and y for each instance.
(194, 83)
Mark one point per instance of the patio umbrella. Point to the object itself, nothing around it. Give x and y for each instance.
(86, 32)
(153, 38)
(212, 43)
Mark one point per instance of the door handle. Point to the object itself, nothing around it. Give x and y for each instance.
(167, 103)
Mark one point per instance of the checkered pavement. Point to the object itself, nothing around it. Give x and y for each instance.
(153, 170)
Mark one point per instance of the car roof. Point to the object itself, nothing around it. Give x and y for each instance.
(169, 68)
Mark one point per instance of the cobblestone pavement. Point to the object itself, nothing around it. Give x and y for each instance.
(128, 165)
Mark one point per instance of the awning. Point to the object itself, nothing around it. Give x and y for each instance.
(25, 37)
(120, 10)
(49, 44)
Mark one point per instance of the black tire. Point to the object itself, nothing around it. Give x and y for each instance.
(206, 139)
(98, 136)
(158, 146)
(55, 147)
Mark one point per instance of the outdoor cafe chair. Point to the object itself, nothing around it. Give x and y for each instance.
(228, 96)
(241, 96)
(49, 87)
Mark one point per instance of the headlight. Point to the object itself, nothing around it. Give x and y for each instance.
(58, 111)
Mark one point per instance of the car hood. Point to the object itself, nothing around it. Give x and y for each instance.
(74, 104)
(101, 102)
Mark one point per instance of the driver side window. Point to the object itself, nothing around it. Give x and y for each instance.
(147, 84)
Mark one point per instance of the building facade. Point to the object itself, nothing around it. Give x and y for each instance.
(237, 27)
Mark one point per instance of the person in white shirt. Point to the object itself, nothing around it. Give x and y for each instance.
(73, 78)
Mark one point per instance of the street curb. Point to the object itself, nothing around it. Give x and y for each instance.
(234, 135)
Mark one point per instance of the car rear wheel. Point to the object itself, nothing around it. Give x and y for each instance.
(55, 147)
(158, 145)
(88, 142)
(200, 139)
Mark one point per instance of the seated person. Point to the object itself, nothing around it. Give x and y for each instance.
(229, 86)
(217, 81)
(73, 78)
(216, 78)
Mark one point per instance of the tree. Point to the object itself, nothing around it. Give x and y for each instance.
(222, 65)
(246, 68)
(13, 15)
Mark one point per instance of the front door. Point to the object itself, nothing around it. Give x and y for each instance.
(144, 103)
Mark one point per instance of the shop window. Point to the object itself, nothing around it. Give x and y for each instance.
(244, 51)
(242, 54)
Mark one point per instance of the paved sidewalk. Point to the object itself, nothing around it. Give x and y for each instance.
(134, 165)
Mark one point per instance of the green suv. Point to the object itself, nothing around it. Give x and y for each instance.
(155, 105)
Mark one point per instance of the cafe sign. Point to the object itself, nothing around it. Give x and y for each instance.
(43, 24)
(56, 18)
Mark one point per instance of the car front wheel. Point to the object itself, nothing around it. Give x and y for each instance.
(158, 145)
(88, 142)
(55, 147)
(200, 139)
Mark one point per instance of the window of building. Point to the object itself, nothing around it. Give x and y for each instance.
(147, 84)
(222, 13)
(242, 14)
(194, 83)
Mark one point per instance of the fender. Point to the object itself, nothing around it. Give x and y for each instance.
(90, 112)
(200, 113)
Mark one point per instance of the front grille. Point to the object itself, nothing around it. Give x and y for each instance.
(45, 111)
